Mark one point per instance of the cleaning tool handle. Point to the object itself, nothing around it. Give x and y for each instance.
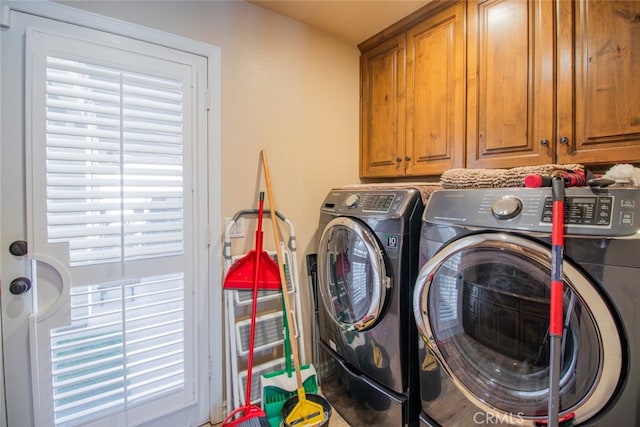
(570, 178)
(600, 182)
(283, 281)
(573, 178)
(254, 300)
(259, 234)
(557, 244)
(535, 180)
(557, 300)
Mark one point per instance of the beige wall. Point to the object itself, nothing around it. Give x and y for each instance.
(287, 88)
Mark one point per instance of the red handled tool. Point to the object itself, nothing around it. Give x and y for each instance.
(264, 272)
(570, 178)
(556, 323)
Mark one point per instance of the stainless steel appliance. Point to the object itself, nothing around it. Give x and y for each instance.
(367, 265)
(481, 305)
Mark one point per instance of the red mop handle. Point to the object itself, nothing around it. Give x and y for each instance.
(557, 242)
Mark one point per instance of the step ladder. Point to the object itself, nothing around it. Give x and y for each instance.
(269, 334)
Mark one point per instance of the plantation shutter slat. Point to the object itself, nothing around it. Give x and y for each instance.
(70, 106)
(69, 207)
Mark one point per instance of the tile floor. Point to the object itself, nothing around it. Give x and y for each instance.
(337, 421)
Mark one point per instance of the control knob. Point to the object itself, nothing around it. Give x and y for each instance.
(352, 200)
(506, 207)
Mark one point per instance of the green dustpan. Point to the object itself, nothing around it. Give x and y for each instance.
(280, 386)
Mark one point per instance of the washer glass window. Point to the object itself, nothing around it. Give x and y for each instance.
(484, 307)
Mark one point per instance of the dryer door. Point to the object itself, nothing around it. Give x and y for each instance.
(482, 305)
(352, 276)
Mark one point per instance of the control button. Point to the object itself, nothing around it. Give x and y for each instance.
(506, 207)
(352, 200)
(626, 218)
(606, 200)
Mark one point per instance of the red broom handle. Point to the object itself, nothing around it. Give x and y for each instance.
(254, 300)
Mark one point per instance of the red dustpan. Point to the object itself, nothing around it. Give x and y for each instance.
(241, 273)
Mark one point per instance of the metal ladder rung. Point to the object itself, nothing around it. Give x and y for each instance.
(258, 371)
(269, 332)
(244, 298)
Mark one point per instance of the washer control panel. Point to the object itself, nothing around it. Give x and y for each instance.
(597, 212)
(388, 203)
(378, 202)
(582, 210)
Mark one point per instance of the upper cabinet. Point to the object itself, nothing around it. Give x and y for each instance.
(435, 94)
(412, 99)
(510, 114)
(501, 84)
(382, 98)
(598, 82)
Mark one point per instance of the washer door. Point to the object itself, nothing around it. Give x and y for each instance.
(352, 276)
(482, 305)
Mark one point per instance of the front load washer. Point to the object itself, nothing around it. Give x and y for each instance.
(367, 265)
(481, 304)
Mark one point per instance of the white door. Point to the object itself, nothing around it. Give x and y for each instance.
(105, 319)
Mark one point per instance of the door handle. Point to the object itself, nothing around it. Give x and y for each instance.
(19, 285)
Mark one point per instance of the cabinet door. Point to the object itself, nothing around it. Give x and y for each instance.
(435, 93)
(598, 83)
(382, 97)
(510, 83)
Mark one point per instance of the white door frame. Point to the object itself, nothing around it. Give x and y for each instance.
(210, 174)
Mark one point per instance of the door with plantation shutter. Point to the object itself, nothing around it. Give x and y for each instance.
(113, 329)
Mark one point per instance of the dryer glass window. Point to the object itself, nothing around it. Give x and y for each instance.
(489, 314)
(351, 270)
(351, 276)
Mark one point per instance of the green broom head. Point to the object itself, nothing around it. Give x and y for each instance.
(280, 386)
(274, 396)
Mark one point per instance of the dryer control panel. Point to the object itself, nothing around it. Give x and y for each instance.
(387, 203)
(601, 212)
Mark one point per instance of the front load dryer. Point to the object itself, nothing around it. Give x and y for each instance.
(367, 265)
(481, 304)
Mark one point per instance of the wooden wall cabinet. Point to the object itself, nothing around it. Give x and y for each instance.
(412, 99)
(510, 98)
(501, 84)
(516, 69)
(598, 82)
(382, 111)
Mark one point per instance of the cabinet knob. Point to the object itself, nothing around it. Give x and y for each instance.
(407, 158)
(544, 142)
(398, 159)
(564, 140)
